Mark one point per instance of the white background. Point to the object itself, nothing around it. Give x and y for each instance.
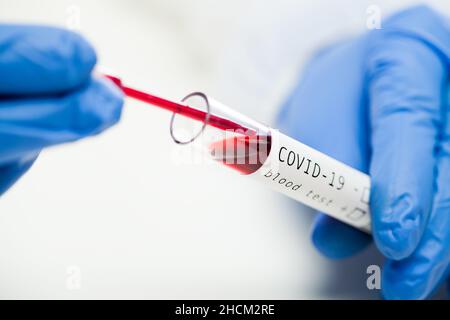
(117, 216)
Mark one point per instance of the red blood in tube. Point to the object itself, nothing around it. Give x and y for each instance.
(245, 154)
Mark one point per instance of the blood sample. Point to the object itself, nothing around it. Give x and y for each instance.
(245, 154)
(272, 158)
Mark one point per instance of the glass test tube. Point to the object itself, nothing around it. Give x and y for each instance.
(284, 164)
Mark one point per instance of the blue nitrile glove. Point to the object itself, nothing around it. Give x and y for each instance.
(380, 104)
(47, 95)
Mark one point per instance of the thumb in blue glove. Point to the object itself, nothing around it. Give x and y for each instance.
(48, 95)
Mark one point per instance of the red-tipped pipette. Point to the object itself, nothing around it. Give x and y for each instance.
(181, 109)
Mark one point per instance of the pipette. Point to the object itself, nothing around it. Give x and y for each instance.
(178, 108)
(269, 156)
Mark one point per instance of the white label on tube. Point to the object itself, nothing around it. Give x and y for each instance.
(317, 180)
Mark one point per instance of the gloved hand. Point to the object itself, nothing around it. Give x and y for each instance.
(48, 95)
(380, 104)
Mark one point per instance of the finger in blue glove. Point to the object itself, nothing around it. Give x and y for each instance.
(48, 95)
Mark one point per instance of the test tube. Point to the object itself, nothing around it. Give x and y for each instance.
(284, 164)
(267, 156)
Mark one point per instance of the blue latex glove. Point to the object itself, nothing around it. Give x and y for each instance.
(47, 95)
(380, 104)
